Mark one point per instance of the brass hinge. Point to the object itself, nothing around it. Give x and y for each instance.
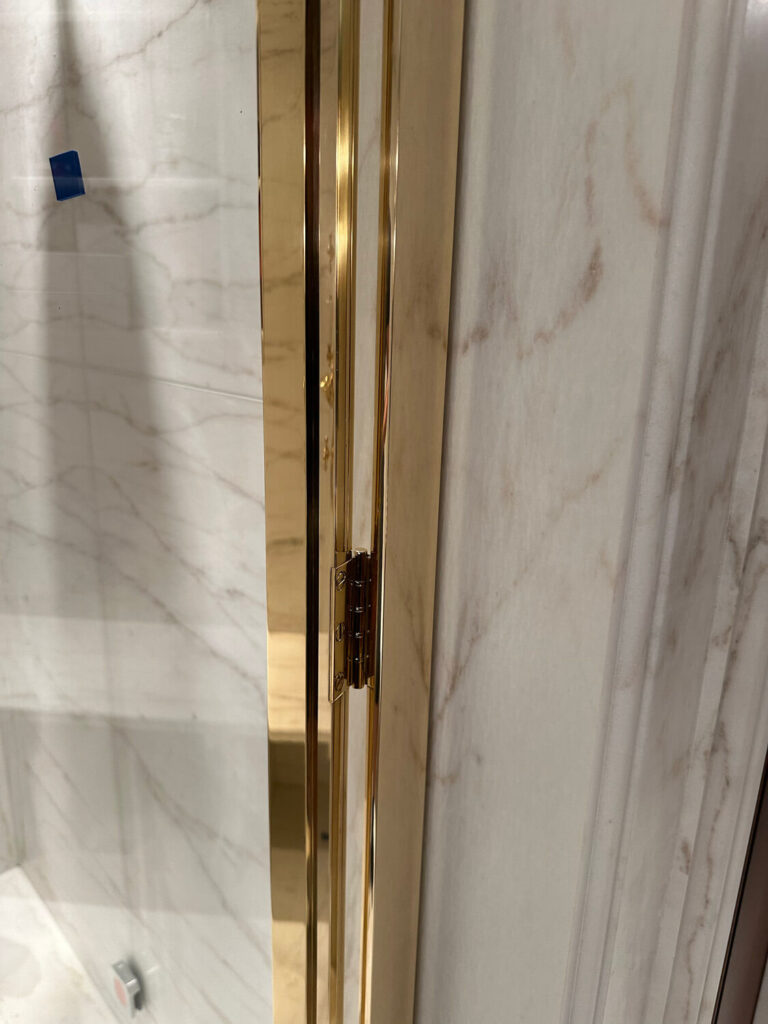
(353, 626)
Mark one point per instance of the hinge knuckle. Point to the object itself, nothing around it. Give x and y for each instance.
(353, 623)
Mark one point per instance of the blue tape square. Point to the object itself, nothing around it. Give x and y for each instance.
(67, 175)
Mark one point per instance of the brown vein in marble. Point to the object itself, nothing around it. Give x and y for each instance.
(649, 212)
(496, 285)
(749, 576)
(471, 631)
(719, 745)
(497, 302)
(583, 293)
(455, 672)
(73, 77)
(168, 616)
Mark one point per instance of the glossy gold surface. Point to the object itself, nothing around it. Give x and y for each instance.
(346, 234)
(345, 251)
(420, 116)
(299, 722)
(281, 145)
(308, 81)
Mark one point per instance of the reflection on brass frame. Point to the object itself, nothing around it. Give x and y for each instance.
(308, 152)
(281, 199)
(344, 371)
(297, 43)
(312, 435)
(420, 116)
(289, 59)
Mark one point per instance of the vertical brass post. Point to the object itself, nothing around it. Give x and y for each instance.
(346, 252)
(421, 79)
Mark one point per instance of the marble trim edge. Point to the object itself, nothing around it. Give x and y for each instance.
(700, 150)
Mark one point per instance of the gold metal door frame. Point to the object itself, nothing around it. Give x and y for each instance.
(345, 250)
(421, 87)
(308, 80)
(293, 284)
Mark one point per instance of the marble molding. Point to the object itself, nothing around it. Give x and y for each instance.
(132, 601)
(701, 728)
(598, 720)
(565, 126)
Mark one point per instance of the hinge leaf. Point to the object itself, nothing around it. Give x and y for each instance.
(352, 601)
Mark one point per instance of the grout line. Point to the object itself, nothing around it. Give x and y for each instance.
(131, 374)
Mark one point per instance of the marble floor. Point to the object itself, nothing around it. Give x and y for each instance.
(41, 980)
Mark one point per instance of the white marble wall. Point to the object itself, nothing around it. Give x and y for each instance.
(132, 607)
(40, 977)
(566, 119)
(600, 710)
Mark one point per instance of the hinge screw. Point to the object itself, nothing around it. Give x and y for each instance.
(340, 631)
(338, 682)
(341, 579)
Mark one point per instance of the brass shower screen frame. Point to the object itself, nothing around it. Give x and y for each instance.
(308, 80)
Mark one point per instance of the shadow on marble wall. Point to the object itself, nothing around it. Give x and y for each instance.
(181, 884)
(57, 472)
(132, 614)
(60, 584)
(92, 260)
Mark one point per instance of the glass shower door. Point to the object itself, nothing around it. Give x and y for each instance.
(134, 824)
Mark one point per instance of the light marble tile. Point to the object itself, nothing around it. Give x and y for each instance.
(132, 628)
(69, 797)
(148, 840)
(566, 119)
(155, 270)
(134, 546)
(51, 609)
(51, 649)
(195, 799)
(180, 500)
(132, 610)
(41, 981)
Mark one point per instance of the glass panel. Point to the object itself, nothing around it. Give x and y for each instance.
(133, 793)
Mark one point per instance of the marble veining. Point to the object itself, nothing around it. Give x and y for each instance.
(137, 650)
(599, 711)
(157, 270)
(132, 598)
(566, 121)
